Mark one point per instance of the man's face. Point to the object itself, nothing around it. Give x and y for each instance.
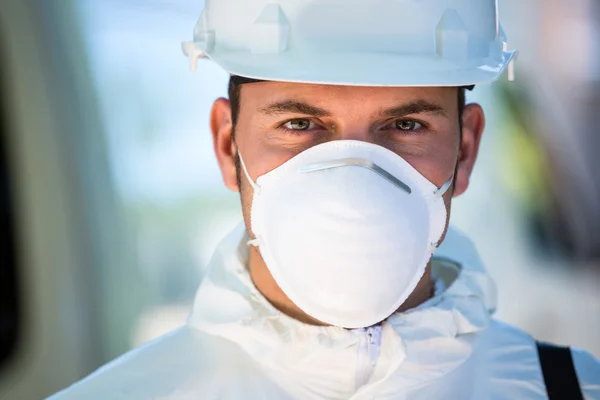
(277, 120)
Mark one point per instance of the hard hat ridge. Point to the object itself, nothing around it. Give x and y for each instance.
(452, 37)
(271, 31)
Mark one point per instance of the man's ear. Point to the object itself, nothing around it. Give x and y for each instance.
(473, 123)
(221, 125)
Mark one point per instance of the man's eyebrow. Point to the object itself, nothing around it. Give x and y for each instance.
(296, 107)
(416, 107)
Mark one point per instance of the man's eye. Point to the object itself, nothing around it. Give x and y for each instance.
(408, 125)
(299, 125)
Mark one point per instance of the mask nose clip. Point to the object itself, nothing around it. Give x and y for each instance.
(358, 162)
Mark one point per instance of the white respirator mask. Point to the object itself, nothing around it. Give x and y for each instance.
(347, 229)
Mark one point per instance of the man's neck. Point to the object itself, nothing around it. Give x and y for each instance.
(266, 285)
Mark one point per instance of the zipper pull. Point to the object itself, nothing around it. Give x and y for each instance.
(374, 343)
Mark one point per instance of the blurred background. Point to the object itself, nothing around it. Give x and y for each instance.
(111, 201)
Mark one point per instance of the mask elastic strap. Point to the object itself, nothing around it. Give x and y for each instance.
(439, 193)
(254, 242)
(254, 185)
(442, 191)
(251, 242)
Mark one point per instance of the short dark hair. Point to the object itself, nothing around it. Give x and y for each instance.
(235, 86)
(234, 98)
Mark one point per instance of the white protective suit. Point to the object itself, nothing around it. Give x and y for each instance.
(237, 346)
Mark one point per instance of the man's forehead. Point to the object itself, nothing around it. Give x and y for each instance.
(267, 96)
(270, 91)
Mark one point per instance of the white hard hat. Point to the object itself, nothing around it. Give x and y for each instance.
(354, 42)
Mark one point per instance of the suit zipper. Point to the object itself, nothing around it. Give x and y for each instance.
(368, 353)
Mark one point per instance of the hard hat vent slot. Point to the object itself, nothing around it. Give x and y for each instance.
(270, 31)
(452, 37)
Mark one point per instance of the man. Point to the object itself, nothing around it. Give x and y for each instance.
(347, 135)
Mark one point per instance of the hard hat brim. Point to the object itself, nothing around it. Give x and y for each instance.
(360, 69)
